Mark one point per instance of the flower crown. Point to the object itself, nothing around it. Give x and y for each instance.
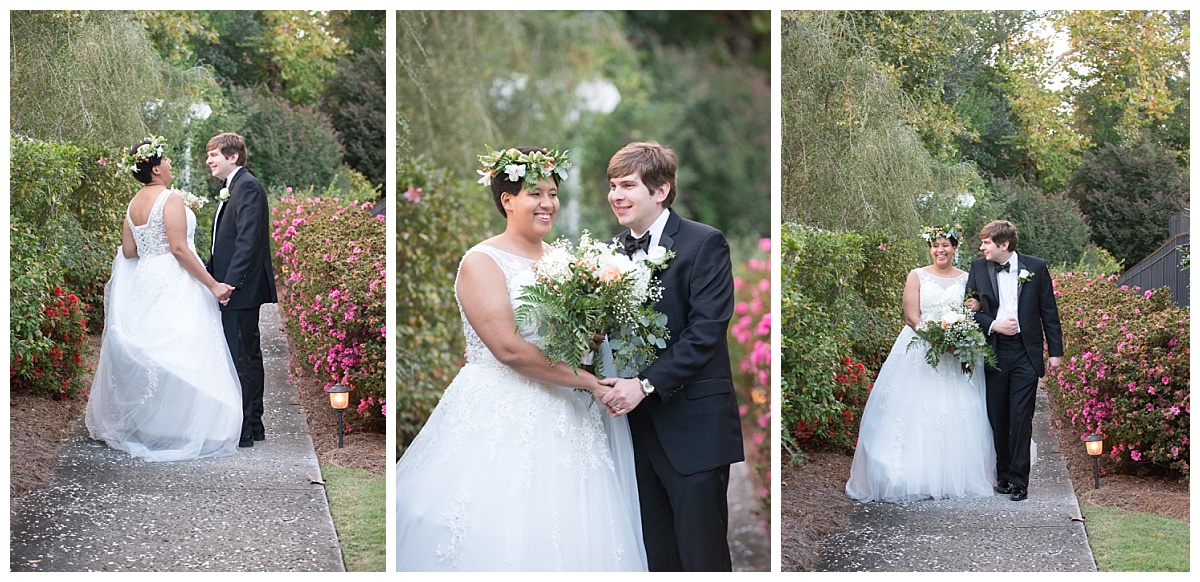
(144, 153)
(529, 169)
(931, 233)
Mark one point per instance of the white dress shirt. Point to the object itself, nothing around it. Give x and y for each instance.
(655, 231)
(220, 205)
(1007, 283)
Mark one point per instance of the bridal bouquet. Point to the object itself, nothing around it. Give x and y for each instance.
(954, 332)
(589, 287)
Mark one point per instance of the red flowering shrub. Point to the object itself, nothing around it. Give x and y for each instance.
(48, 348)
(750, 349)
(329, 271)
(1125, 369)
(838, 427)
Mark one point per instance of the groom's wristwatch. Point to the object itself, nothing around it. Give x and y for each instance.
(647, 387)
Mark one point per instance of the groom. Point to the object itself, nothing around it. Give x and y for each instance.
(1016, 310)
(683, 413)
(241, 258)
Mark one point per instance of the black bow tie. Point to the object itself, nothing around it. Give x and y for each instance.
(633, 244)
(1001, 267)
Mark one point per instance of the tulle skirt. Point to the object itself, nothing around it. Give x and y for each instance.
(165, 388)
(514, 475)
(924, 432)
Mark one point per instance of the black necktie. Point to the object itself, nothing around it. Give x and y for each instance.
(633, 244)
(1001, 267)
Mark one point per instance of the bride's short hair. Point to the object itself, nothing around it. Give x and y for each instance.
(501, 185)
(229, 144)
(142, 171)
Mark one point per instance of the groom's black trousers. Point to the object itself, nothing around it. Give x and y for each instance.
(1011, 394)
(685, 518)
(241, 334)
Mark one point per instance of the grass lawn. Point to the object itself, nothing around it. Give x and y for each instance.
(357, 500)
(1128, 541)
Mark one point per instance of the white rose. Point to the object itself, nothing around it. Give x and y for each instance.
(951, 318)
(657, 255)
(555, 264)
(224, 195)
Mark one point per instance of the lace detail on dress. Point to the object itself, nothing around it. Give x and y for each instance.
(938, 293)
(151, 238)
(518, 272)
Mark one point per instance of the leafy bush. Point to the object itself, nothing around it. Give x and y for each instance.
(355, 96)
(284, 144)
(1050, 225)
(750, 349)
(330, 273)
(1097, 261)
(1129, 194)
(47, 329)
(437, 219)
(841, 311)
(1125, 370)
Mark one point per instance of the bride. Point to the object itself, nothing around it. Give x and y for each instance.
(165, 388)
(925, 432)
(517, 467)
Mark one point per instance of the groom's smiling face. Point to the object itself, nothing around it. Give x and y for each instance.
(634, 204)
(220, 165)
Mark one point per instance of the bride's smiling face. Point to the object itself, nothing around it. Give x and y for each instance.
(533, 210)
(942, 252)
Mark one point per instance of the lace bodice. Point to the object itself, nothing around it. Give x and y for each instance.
(518, 272)
(151, 238)
(939, 292)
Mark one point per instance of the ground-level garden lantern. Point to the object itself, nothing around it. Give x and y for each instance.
(1095, 446)
(339, 399)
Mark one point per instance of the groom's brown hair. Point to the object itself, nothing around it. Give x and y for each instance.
(229, 144)
(653, 162)
(1001, 231)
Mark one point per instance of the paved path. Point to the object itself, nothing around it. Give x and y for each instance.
(749, 543)
(989, 534)
(252, 511)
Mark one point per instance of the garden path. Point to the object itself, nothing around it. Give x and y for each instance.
(988, 534)
(255, 510)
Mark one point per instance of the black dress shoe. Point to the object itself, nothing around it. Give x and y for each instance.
(246, 442)
(260, 435)
(1019, 494)
(1003, 487)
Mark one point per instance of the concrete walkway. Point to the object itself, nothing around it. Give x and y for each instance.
(989, 534)
(254, 511)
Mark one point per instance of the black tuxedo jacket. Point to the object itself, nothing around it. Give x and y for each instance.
(242, 245)
(694, 408)
(1037, 311)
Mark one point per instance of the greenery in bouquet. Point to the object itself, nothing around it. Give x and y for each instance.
(953, 331)
(582, 289)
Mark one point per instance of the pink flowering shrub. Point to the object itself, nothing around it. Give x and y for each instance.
(329, 271)
(1125, 369)
(750, 350)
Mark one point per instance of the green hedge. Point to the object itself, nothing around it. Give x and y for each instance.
(841, 306)
(437, 219)
(66, 209)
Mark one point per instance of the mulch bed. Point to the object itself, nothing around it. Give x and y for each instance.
(814, 505)
(37, 425)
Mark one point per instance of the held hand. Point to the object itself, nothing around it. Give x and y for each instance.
(1054, 363)
(595, 341)
(973, 304)
(625, 395)
(221, 292)
(1006, 327)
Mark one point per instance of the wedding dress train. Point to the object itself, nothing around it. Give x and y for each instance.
(165, 388)
(510, 474)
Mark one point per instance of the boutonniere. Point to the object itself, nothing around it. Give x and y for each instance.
(224, 195)
(1023, 277)
(658, 256)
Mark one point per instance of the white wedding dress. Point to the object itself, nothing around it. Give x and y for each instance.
(924, 432)
(165, 387)
(510, 474)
